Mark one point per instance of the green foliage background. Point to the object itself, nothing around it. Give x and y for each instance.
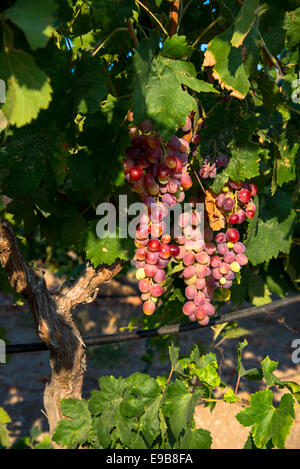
(72, 72)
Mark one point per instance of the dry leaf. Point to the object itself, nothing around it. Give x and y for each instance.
(215, 216)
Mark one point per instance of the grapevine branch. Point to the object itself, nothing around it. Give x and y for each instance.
(53, 319)
(174, 12)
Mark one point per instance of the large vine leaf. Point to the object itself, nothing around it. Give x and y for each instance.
(196, 439)
(105, 406)
(227, 64)
(176, 47)
(28, 87)
(73, 432)
(105, 250)
(181, 404)
(157, 88)
(243, 164)
(244, 22)
(274, 223)
(36, 19)
(268, 422)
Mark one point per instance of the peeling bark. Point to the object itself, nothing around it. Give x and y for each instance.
(52, 315)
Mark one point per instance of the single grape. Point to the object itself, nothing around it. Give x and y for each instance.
(228, 203)
(149, 307)
(232, 235)
(156, 290)
(242, 259)
(144, 285)
(244, 196)
(189, 308)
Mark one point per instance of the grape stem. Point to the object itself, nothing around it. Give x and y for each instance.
(198, 179)
(132, 32)
(107, 39)
(153, 16)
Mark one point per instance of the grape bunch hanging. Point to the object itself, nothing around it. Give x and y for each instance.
(159, 172)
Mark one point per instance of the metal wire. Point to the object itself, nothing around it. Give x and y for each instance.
(105, 339)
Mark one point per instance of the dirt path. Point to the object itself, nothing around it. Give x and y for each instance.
(23, 379)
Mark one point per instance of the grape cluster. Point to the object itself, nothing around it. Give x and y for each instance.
(156, 169)
(209, 265)
(197, 277)
(158, 172)
(228, 259)
(236, 203)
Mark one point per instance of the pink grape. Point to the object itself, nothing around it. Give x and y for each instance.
(222, 248)
(215, 261)
(152, 257)
(160, 276)
(221, 238)
(189, 308)
(202, 257)
(156, 290)
(228, 203)
(199, 299)
(241, 259)
(201, 270)
(190, 292)
(229, 257)
(239, 247)
(144, 285)
(149, 307)
(150, 270)
(189, 271)
(189, 258)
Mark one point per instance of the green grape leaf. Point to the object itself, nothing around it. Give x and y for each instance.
(244, 22)
(36, 19)
(181, 405)
(268, 366)
(274, 222)
(229, 397)
(174, 359)
(196, 439)
(72, 433)
(284, 165)
(227, 64)
(157, 89)
(258, 290)
(251, 445)
(176, 47)
(253, 373)
(207, 370)
(105, 250)
(110, 395)
(91, 84)
(243, 164)
(28, 87)
(292, 27)
(268, 422)
(106, 406)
